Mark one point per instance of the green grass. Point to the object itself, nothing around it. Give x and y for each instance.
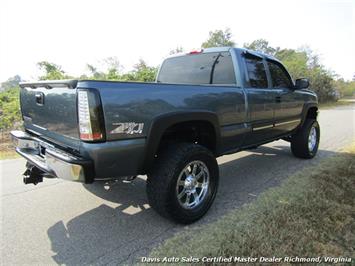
(311, 214)
(341, 102)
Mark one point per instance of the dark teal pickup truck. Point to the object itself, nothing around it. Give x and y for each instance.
(204, 104)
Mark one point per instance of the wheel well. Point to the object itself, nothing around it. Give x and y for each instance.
(312, 113)
(201, 132)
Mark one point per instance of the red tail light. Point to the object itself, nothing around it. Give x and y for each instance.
(196, 51)
(90, 116)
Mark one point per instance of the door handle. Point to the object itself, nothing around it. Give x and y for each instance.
(278, 99)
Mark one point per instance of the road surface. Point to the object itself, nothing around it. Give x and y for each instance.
(60, 222)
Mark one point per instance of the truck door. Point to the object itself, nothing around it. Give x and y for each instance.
(261, 99)
(289, 103)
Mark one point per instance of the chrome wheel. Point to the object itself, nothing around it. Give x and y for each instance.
(312, 139)
(192, 184)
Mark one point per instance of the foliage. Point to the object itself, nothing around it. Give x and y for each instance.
(295, 61)
(261, 45)
(51, 71)
(94, 73)
(141, 72)
(346, 88)
(321, 81)
(113, 68)
(11, 82)
(303, 63)
(10, 109)
(219, 38)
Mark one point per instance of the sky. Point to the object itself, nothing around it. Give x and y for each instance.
(72, 33)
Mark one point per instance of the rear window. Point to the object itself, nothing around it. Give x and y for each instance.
(208, 68)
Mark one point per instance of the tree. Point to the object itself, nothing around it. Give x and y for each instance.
(219, 38)
(51, 71)
(11, 82)
(10, 109)
(346, 88)
(321, 81)
(304, 63)
(261, 45)
(296, 62)
(95, 74)
(141, 72)
(113, 67)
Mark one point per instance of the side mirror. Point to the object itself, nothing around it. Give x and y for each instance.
(301, 84)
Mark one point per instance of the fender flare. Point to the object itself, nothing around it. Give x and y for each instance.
(305, 110)
(162, 122)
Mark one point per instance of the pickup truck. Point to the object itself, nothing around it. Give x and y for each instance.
(204, 104)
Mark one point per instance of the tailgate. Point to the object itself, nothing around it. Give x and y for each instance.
(49, 110)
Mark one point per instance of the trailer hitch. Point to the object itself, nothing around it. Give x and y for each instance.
(32, 175)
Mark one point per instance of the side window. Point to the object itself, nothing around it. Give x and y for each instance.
(256, 72)
(279, 76)
(223, 70)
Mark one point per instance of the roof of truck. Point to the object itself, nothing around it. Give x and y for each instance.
(225, 49)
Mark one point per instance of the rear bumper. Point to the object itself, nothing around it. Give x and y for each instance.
(52, 161)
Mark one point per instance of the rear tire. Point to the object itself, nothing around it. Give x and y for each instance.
(304, 144)
(183, 183)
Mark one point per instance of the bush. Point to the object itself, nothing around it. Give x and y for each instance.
(10, 109)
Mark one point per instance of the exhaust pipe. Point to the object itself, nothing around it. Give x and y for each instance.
(33, 175)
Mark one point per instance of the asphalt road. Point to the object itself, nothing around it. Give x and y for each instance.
(60, 222)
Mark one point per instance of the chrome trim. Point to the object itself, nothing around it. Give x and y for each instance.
(233, 130)
(193, 184)
(43, 128)
(65, 170)
(54, 162)
(288, 122)
(312, 139)
(263, 127)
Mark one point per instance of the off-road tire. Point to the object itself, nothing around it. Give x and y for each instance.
(163, 177)
(299, 141)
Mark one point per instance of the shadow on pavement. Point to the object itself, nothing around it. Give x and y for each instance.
(126, 227)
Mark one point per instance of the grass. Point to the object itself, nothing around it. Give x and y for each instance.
(311, 214)
(7, 150)
(8, 155)
(341, 102)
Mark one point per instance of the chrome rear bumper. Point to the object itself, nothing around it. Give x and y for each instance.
(51, 160)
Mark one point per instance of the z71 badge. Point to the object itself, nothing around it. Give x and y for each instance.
(128, 128)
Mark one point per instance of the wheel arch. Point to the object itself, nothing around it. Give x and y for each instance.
(162, 123)
(310, 110)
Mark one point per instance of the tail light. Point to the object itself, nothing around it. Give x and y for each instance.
(196, 51)
(90, 116)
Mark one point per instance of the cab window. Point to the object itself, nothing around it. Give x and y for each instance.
(202, 68)
(279, 76)
(256, 71)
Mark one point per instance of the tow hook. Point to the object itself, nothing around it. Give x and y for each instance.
(32, 175)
